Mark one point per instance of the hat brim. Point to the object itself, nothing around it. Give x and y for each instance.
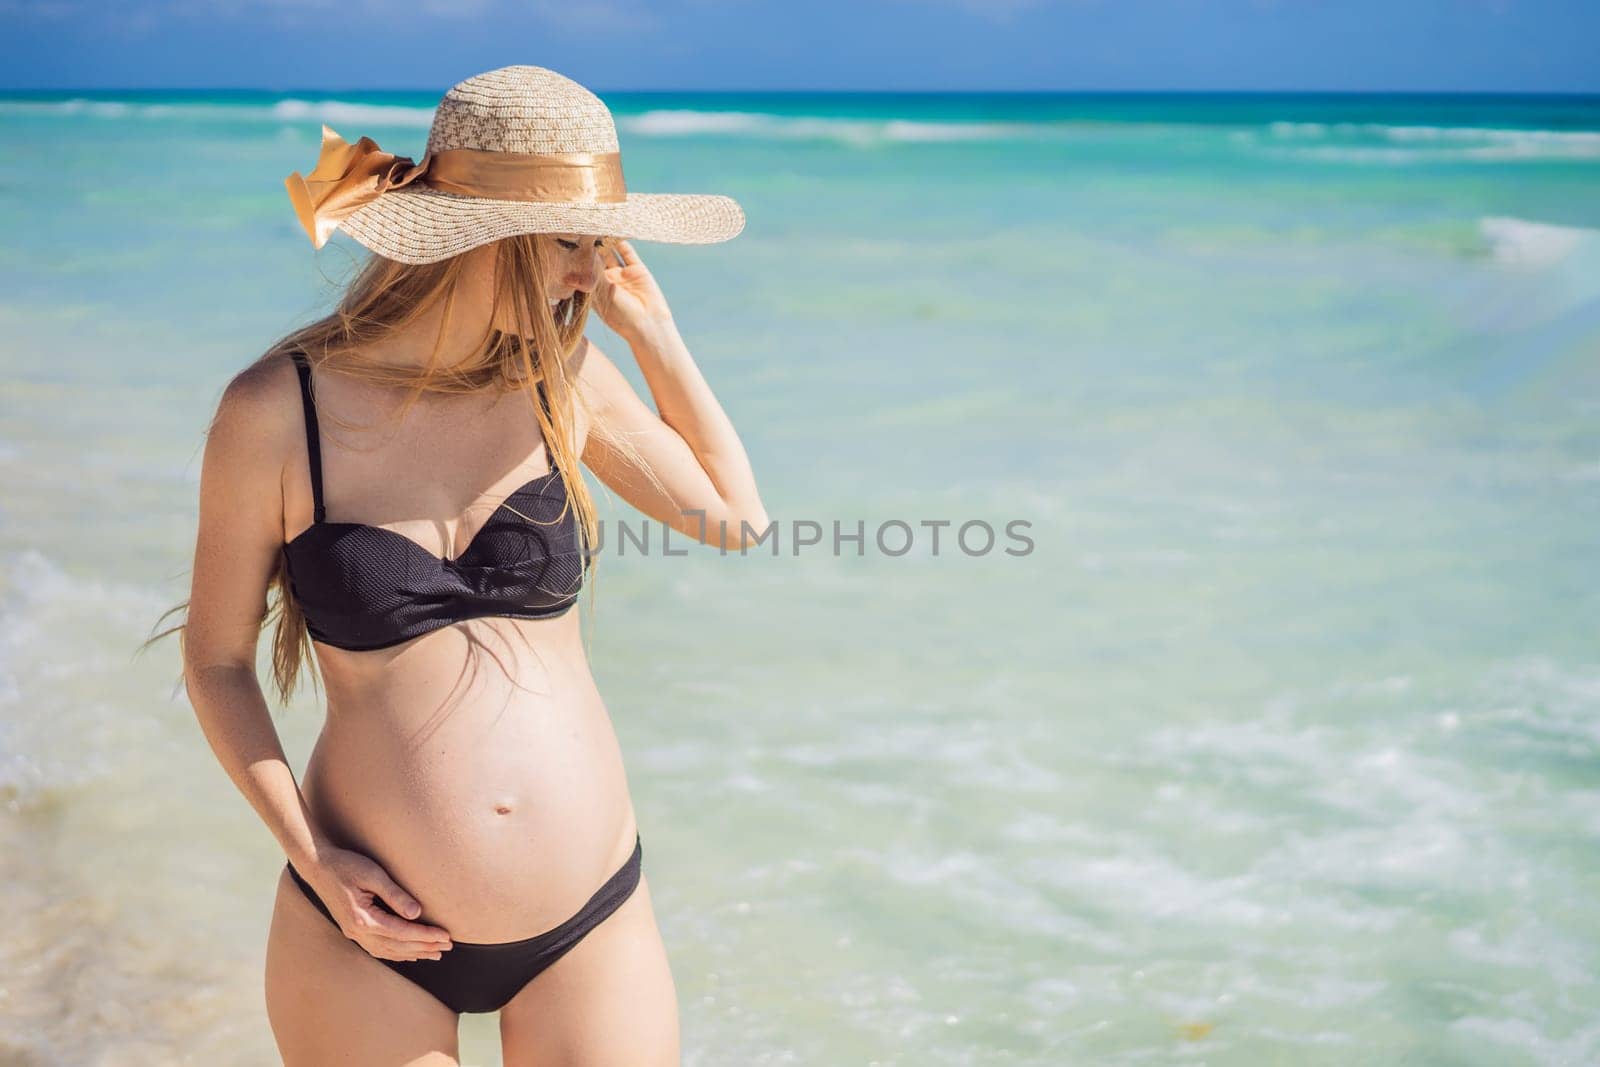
(423, 225)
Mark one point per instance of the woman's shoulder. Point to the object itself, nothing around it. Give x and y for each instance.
(260, 404)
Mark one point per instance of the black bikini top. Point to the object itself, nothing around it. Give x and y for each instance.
(365, 587)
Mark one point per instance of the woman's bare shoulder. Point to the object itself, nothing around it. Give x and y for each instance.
(241, 514)
(259, 409)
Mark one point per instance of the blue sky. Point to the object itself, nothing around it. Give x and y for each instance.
(1443, 45)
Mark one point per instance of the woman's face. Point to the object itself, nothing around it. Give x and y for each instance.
(577, 263)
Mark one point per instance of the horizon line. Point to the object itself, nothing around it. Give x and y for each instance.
(1564, 93)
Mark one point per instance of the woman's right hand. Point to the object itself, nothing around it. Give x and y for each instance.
(371, 908)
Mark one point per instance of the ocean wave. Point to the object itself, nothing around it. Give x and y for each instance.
(1339, 142)
(332, 111)
(1406, 156)
(857, 131)
(287, 111)
(1407, 144)
(63, 642)
(660, 122)
(1520, 242)
(109, 109)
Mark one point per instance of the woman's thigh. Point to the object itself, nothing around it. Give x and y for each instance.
(330, 1002)
(609, 1002)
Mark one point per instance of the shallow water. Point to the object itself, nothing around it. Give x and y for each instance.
(1278, 747)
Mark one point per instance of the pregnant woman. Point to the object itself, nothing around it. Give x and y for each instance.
(405, 475)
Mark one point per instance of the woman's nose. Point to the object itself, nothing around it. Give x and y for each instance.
(587, 278)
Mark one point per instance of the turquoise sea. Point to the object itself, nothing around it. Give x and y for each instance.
(1280, 746)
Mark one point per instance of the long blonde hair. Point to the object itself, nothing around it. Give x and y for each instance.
(385, 297)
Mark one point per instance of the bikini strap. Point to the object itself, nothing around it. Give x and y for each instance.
(313, 434)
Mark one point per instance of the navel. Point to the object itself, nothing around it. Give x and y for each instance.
(502, 808)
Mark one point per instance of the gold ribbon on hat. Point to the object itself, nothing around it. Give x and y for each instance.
(350, 176)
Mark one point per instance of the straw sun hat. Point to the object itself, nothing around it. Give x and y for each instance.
(516, 150)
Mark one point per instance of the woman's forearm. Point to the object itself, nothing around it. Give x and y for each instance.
(685, 402)
(234, 716)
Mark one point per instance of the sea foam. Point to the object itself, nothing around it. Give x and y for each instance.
(1519, 242)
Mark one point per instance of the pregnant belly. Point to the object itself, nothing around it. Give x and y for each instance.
(500, 811)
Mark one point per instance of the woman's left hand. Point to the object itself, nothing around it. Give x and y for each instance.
(627, 297)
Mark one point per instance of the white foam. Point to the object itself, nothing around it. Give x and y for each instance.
(1376, 142)
(1528, 1039)
(53, 626)
(1387, 155)
(1153, 887)
(290, 110)
(678, 122)
(756, 124)
(332, 111)
(1396, 144)
(1584, 143)
(1298, 129)
(77, 106)
(1586, 139)
(901, 130)
(1519, 242)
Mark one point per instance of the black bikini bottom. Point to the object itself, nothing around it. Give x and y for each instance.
(483, 977)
